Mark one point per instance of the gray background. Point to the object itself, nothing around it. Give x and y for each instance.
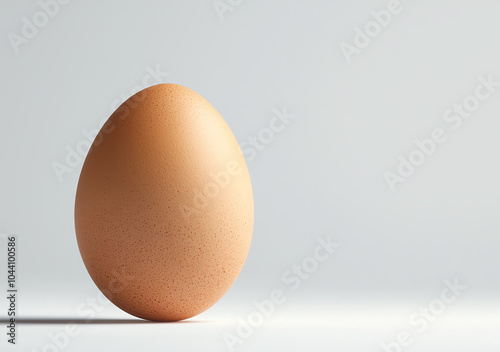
(323, 175)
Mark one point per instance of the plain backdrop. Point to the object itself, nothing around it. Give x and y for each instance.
(323, 175)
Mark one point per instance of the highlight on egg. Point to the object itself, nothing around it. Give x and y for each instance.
(164, 206)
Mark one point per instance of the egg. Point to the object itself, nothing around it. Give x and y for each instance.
(164, 207)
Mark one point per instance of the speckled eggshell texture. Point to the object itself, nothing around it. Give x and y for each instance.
(164, 206)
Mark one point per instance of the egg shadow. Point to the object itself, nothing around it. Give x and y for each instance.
(102, 321)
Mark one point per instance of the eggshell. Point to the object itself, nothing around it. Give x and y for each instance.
(164, 205)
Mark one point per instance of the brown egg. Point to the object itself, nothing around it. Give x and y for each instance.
(164, 206)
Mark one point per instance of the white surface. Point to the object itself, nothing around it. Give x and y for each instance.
(298, 326)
